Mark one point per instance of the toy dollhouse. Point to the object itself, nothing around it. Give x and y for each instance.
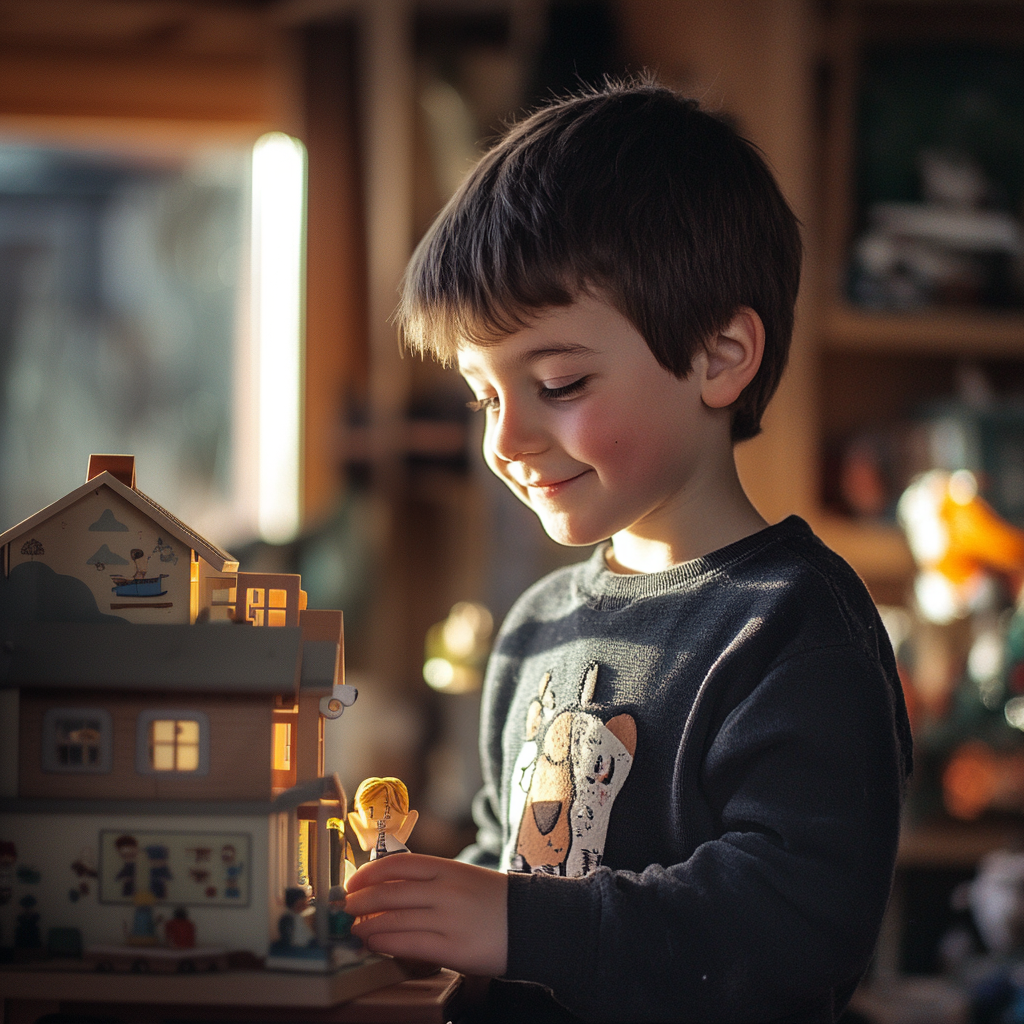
(164, 731)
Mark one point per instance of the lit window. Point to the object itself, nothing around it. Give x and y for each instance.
(174, 745)
(282, 746)
(266, 607)
(77, 740)
(173, 742)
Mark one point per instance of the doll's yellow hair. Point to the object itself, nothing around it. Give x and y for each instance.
(370, 790)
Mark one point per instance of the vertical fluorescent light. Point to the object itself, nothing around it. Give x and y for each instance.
(278, 221)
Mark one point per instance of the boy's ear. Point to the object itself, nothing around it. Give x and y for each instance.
(733, 357)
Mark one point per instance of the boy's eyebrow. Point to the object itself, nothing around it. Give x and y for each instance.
(569, 348)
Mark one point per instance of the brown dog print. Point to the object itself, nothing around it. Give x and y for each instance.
(569, 771)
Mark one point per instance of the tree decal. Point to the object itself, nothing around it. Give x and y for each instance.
(32, 548)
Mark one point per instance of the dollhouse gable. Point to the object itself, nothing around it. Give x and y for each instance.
(106, 552)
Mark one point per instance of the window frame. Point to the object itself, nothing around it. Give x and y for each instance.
(51, 763)
(142, 725)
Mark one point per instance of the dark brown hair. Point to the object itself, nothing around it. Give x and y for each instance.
(634, 193)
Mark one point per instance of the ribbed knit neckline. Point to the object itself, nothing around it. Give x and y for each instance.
(598, 581)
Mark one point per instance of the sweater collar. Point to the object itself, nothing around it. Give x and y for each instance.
(596, 580)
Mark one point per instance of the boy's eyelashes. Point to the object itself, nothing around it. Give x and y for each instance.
(563, 391)
(492, 402)
(480, 404)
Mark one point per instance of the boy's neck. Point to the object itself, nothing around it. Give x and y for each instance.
(714, 514)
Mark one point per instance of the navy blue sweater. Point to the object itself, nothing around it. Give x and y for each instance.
(695, 779)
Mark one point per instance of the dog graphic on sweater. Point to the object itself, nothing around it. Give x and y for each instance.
(569, 771)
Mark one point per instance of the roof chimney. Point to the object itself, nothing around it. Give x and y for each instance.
(121, 467)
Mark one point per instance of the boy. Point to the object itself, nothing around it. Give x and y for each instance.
(694, 744)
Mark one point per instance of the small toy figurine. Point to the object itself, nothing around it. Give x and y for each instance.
(180, 932)
(339, 921)
(293, 926)
(232, 871)
(381, 818)
(128, 850)
(144, 921)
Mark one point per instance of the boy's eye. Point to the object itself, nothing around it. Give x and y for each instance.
(565, 390)
(482, 404)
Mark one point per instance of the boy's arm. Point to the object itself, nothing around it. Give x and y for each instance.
(775, 913)
(776, 916)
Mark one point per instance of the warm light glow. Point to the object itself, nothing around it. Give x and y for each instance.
(282, 746)
(278, 221)
(174, 745)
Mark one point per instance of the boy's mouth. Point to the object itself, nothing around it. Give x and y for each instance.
(550, 488)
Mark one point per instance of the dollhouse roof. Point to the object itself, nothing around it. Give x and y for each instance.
(223, 658)
(214, 555)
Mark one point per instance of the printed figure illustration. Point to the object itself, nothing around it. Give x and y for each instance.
(232, 871)
(128, 850)
(565, 781)
(165, 551)
(381, 818)
(159, 871)
(139, 585)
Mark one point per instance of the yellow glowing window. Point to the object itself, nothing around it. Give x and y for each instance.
(254, 605)
(174, 745)
(282, 746)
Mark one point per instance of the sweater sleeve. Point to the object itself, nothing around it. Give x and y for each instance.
(774, 916)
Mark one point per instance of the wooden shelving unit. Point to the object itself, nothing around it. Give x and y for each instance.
(950, 332)
(870, 364)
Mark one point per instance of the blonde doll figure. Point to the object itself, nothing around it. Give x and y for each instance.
(381, 818)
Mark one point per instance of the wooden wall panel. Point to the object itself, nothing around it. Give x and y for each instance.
(240, 749)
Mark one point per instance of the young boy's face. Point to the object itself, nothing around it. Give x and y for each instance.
(587, 428)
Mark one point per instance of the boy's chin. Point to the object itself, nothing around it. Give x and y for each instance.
(571, 535)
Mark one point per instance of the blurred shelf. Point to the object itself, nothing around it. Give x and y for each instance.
(877, 551)
(963, 333)
(956, 844)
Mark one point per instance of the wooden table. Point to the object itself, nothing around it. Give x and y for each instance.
(28, 993)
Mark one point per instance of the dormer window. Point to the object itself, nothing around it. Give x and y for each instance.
(77, 740)
(172, 742)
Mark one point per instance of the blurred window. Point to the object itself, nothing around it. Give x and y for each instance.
(122, 279)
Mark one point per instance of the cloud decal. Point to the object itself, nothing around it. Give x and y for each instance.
(108, 524)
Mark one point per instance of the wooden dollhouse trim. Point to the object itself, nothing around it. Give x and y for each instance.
(217, 557)
(144, 658)
(173, 808)
(327, 787)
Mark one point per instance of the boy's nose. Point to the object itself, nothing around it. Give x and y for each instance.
(513, 435)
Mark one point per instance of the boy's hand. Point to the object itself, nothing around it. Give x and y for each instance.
(429, 908)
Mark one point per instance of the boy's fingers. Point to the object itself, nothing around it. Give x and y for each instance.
(398, 865)
(390, 896)
(403, 920)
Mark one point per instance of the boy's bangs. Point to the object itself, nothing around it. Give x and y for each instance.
(444, 308)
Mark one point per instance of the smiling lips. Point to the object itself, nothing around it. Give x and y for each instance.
(550, 489)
